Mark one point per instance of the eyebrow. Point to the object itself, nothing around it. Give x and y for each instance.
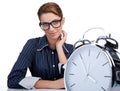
(51, 21)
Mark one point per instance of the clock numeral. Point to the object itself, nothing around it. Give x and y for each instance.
(81, 56)
(71, 74)
(103, 89)
(72, 85)
(89, 53)
(98, 55)
(107, 76)
(74, 63)
(105, 63)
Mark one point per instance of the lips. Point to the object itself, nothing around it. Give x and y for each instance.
(53, 34)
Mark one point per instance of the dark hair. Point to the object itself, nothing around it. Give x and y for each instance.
(50, 7)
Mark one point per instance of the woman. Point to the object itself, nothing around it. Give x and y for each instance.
(44, 56)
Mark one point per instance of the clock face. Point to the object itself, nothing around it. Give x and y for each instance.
(88, 69)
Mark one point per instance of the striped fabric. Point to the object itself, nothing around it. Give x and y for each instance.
(41, 60)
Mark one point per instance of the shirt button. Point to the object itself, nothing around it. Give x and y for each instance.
(53, 65)
(52, 52)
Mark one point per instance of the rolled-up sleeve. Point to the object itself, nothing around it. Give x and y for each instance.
(29, 82)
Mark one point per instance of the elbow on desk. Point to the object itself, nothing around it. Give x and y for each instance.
(14, 84)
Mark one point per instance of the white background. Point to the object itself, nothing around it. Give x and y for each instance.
(19, 22)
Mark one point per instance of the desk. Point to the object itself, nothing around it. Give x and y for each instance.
(113, 89)
(36, 90)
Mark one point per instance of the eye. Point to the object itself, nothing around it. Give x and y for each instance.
(45, 24)
(55, 22)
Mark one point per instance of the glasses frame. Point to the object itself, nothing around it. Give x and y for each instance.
(50, 23)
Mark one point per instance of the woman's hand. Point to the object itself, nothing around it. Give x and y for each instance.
(61, 40)
(59, 83)
(48, 84)
(59, 48)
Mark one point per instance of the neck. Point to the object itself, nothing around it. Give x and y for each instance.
(52, 43)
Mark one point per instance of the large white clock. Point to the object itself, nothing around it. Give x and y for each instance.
(88, 69)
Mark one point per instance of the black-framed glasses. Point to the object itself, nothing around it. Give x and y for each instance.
(54, 23)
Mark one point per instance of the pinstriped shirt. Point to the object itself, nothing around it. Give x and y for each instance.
(41, 60)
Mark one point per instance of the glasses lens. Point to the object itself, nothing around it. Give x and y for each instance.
(45, 26)
(56, 23)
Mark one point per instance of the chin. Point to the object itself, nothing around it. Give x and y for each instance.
(54, 37)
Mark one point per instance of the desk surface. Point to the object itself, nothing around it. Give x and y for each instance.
(113, 89)
(36, 90)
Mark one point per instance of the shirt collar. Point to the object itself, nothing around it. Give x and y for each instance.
(44, 43)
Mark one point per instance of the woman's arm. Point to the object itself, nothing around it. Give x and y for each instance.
(59, 48)
(56, 84)
(19, 69)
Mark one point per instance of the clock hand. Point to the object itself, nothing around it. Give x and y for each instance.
(84, 68)
(88, 68)
(91, 78)
(83, 65)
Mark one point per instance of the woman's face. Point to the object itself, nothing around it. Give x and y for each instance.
(52, 25)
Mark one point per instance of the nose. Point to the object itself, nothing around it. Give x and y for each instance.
(51, 28)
